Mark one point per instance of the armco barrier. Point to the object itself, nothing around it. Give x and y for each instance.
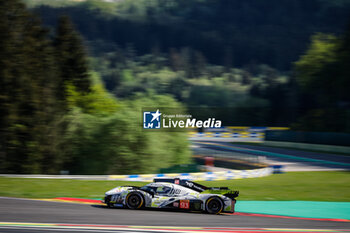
(325, 138)
(68, 177)
(227, 135)
(236, 132)
(199, 176)
(308, 146)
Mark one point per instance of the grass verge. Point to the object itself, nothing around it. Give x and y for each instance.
(306, 186)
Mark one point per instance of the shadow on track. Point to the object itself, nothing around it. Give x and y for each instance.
(155, 210)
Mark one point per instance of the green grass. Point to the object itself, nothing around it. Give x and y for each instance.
(308, 186)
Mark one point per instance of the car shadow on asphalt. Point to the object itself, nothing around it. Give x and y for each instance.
(153, 209)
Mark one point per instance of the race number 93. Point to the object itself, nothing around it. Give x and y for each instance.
(184, 204)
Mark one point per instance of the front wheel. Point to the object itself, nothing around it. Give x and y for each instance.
(214, 205)
(134, 200)
(110, 205)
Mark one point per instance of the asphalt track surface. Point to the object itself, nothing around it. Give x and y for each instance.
(288, 156)
(35, 211)
(299, 153)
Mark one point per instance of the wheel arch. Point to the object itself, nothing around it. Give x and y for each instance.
(214, 197)
(140, 194)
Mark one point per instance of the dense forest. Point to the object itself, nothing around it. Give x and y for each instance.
(235, 54)
(232, 33)
(74, 76)
(56, 114)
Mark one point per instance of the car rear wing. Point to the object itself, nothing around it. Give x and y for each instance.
(232, 194)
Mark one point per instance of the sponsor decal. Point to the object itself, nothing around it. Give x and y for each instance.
(184, 204)
(192, 185)
(176, 204)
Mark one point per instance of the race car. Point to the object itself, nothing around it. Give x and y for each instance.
(173, 194)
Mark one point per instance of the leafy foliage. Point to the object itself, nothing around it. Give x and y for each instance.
(210, 52)
(56, 114)
(199, 84)
(115, 143)
(97, 101)
(321, 53)
(232, 33)
(27, 95)
(323, 76)
(70, 58)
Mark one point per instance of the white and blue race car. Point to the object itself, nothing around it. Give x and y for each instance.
(173, 194)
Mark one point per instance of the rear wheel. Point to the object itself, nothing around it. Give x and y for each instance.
(134, 200)
(214, 205)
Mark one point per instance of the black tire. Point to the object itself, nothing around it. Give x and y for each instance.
(108, 202)
(134, 200)
(214, 205)
(110, 205)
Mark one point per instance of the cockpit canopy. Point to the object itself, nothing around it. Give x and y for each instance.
(158, 188)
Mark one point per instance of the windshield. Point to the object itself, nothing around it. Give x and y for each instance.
(161, 189)
(147, 188)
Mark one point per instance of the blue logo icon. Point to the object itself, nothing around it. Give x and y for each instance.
(151, 120)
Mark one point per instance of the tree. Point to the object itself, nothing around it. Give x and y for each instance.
(323, 75)
(27, 80)
(116, 144)
(315, 69)
(343, 67)
(71, 59)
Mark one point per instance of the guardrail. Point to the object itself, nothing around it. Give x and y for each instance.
(217, 152)
(309, 146)
(227, 134)
(197, 176)
(235, 132)
(323, 138)
(71, 177)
